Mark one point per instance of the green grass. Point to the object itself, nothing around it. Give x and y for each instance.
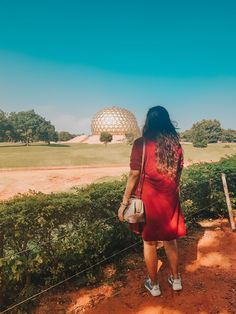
(43, 155)
(213, 152)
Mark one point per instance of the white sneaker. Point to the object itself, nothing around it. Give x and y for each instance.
(154, 290)
(175, 283)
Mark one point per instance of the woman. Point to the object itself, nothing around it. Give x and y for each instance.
(163, 163)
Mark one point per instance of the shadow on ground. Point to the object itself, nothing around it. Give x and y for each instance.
(33, 145)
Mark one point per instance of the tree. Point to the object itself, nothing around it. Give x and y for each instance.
(46, 132)
(187, 136)
(199, 138)
(65, 136)
(105, 137)
(6, 128)
(228, 136)
(29, 126)
(25, 125)
(211, 129)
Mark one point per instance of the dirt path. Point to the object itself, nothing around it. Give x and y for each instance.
(55, 179)
(208, 267)
(13, 181)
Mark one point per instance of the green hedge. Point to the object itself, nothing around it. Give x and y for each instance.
(202, 191)
(62, 233)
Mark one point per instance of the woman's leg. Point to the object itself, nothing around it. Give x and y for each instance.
(171, 250)
(150, 257)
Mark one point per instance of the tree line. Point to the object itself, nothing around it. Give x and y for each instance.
(201, 134)
(28, 127)
(208, 131)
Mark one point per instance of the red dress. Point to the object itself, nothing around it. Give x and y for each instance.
(160, 195)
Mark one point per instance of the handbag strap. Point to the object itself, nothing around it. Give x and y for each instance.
(140, 183)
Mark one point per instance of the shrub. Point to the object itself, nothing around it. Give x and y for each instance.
(59, 234)
(201, 187)
(200, 143)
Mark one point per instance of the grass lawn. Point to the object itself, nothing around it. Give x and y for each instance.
(213, 152)
(43, 155)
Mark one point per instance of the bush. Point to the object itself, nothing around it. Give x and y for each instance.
(59, 234)
(201, 188)
(200, 143)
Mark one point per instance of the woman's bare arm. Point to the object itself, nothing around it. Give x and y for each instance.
(132, 179)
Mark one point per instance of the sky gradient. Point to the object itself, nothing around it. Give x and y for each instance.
(68, 59)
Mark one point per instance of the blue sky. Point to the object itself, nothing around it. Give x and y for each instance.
(68, 59)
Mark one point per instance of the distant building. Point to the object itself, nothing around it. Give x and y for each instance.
(114, 120)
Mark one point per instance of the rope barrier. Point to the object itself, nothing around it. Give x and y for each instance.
(202, 209)
(68, 278)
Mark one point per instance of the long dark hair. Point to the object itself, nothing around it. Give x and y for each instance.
(158, 123)
(159, 127)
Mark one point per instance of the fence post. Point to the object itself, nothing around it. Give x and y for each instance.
(228, 202)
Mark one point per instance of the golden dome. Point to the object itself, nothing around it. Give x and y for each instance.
(114, 120)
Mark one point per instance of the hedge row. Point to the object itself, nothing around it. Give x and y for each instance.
(202, 191)
(58, 234)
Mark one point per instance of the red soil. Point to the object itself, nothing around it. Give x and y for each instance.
(53, 179)
(208, 268)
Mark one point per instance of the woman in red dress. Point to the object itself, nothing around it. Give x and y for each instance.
(163, 163)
